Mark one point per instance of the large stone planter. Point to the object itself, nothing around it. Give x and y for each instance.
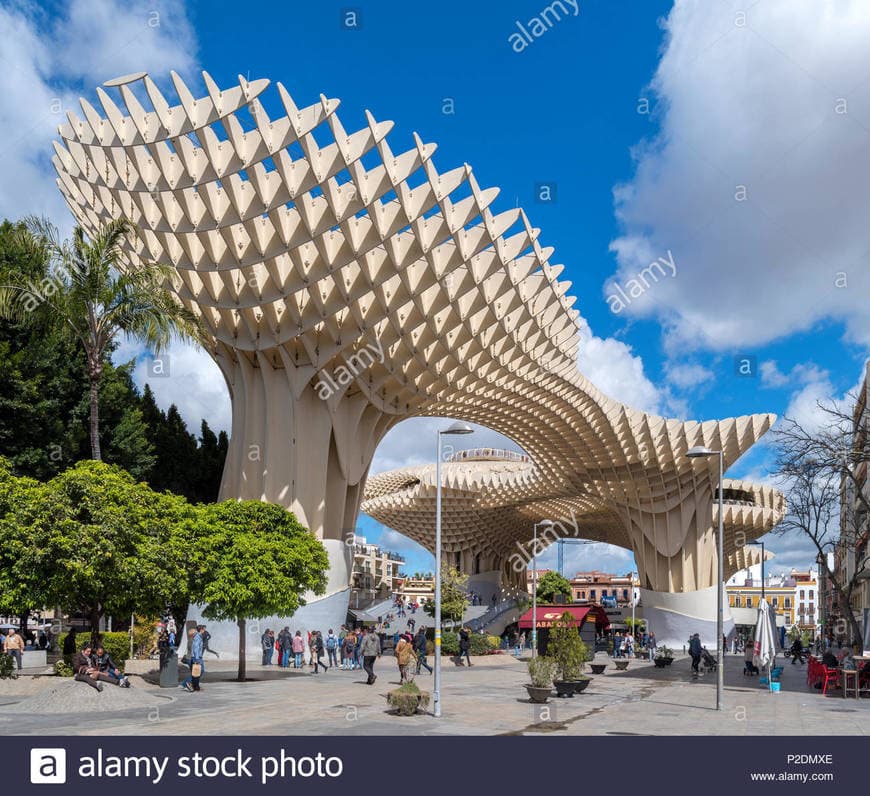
(581, 685)
(598, 668)
(537, 694)
(621, 665)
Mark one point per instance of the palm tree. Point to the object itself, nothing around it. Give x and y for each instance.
(90, 292)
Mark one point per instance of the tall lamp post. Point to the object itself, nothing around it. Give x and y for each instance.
(455, 428)
(542, 524)
(700, 452)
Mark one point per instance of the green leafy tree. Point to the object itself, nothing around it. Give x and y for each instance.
(251, 560)
(551, 584)
(454, 595)
(95, 297)
(23, 585)
(108, 545)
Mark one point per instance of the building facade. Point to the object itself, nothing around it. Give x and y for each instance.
(603, 588)
(851, 551)
(375, 573)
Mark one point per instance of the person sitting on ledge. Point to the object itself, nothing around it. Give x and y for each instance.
(103, 661)
(86, 671)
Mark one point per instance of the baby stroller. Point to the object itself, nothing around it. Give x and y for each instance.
(707, 660)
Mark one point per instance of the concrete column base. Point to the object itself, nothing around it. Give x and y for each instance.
(674, 617)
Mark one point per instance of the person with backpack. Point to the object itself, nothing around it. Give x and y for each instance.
(420, 648)
(347, 649)
(317, 651)
(331, 648)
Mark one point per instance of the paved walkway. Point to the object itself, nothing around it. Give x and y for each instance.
(488, 699)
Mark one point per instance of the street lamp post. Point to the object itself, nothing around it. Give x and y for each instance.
(703, 452)
(633, 628)
(762, 569)
(543, 524)
(456, 428)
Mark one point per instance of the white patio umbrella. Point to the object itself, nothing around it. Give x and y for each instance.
(764, 652)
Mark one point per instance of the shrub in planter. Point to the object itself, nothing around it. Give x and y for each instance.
(408, 699)
(567, 649)
(7, 667)
(541, 670)
(63, 669)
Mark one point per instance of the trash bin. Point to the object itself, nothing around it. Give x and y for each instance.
(169, 670)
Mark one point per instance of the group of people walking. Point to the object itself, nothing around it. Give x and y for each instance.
(347, 650)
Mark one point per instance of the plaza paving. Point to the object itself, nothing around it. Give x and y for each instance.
(487, 699)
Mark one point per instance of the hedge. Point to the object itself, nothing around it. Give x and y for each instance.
(116, 644)
(480, 644)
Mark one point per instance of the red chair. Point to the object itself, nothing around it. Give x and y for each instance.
(831, 676)
(814, 671)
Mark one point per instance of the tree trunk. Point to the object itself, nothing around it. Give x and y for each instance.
(95, 416)
(95, 614)
(23, 617)
(845, 604)
(242, 662)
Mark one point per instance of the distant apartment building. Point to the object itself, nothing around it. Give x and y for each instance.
(794, 597)
(374, 573)
(416, 590)
(601, 588)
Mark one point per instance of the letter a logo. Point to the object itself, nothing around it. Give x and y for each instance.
(47, 766)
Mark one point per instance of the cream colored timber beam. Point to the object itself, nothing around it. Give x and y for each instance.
(306, 248)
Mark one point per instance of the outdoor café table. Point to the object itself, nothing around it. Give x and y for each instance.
(847, 675)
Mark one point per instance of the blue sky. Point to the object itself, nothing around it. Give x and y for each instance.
(736, 147)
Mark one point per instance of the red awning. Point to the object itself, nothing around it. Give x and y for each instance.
(549, 614)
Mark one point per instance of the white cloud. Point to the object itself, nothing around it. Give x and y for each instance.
(759, 105)
(46, 62)
(185, 376)
(614, 368)
(688, 375)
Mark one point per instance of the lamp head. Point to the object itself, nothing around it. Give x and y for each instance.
(700, 452)
(458, 428)
(545, 524)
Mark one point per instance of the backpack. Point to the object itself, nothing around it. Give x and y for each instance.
(331, 642)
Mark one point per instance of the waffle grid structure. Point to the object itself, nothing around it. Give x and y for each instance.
(344, 287)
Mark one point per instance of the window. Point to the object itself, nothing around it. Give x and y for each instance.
(788, 602)
(802, 594)
(749, 602)
(582, 595)
(737, 601)
(811, 594)
(812, 609)
(775, 602)
(625, 594)
(592, 594)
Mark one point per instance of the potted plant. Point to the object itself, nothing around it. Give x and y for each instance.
(541, 671)
(621, 664)
(408, 699)
(569, 652)
(664, 657)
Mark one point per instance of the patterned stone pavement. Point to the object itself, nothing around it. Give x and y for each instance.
(487, 699)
